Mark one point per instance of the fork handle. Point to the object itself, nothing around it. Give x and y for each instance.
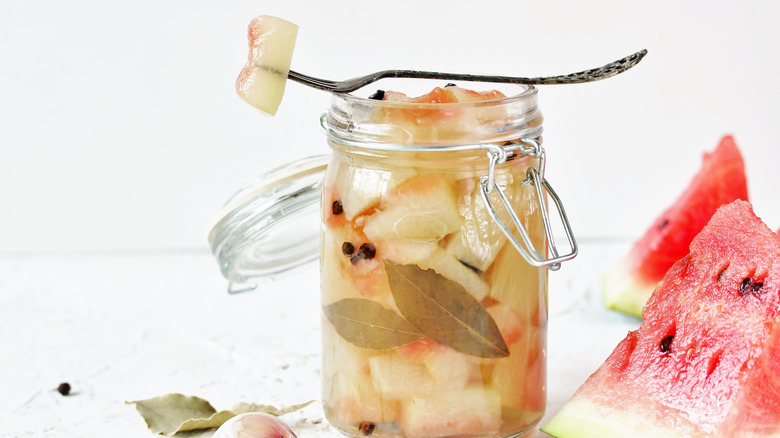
(594, 74)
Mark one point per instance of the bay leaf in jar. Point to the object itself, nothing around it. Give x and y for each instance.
(367, 324)
(443, 311)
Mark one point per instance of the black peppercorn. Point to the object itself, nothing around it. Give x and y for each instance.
(348, 248)
(379, 95)
(368, 251)
(337, 208)
(64, 388)
(366, 427)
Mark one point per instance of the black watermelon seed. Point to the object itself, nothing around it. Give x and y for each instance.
(379, 95)
(347, 248)
(744, 287)
(472, 267)
(64, 388)
(366, 427)
(664, 222)
(749, 286)
(666, 344)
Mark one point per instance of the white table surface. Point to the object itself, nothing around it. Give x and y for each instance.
(124, 326)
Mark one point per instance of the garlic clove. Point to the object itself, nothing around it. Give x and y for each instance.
(254, 425)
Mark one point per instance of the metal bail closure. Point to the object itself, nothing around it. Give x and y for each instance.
(488, 183)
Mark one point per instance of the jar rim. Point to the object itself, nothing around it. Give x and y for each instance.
(352, 121)
(502, 147)
(527, 91)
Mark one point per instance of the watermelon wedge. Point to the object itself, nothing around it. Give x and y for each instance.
(720, 181)
(705, 362)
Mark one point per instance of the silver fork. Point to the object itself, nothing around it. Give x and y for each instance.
(595, 74)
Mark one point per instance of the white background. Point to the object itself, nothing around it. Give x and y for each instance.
(120, 129)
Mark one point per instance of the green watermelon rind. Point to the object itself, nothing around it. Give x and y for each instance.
(626, 293)
(581, 418)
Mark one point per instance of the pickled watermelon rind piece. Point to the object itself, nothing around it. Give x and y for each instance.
(424, 209)
(628, 285)
(445, 115)
(262, 81)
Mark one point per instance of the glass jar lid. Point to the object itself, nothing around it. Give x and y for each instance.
(271, 225)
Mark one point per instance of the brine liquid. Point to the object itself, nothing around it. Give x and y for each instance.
(417, 247)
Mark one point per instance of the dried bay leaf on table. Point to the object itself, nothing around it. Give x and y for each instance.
(213, 421)
(368, 324)
(174, 413)
(166, 414)
(242, 408)
(444, 311)
(220, 417)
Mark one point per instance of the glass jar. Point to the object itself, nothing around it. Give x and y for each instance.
(433, 241)
(433, 267)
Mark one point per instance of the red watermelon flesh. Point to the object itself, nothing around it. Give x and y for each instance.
(705, 362)
(720, 181)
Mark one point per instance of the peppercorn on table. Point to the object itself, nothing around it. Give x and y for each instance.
(119, 327)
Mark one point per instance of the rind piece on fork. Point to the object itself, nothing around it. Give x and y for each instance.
(262, 80)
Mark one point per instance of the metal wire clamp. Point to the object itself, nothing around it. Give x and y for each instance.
(498, 156)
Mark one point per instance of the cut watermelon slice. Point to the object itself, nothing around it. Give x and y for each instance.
(705, 361)
(720, 181)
